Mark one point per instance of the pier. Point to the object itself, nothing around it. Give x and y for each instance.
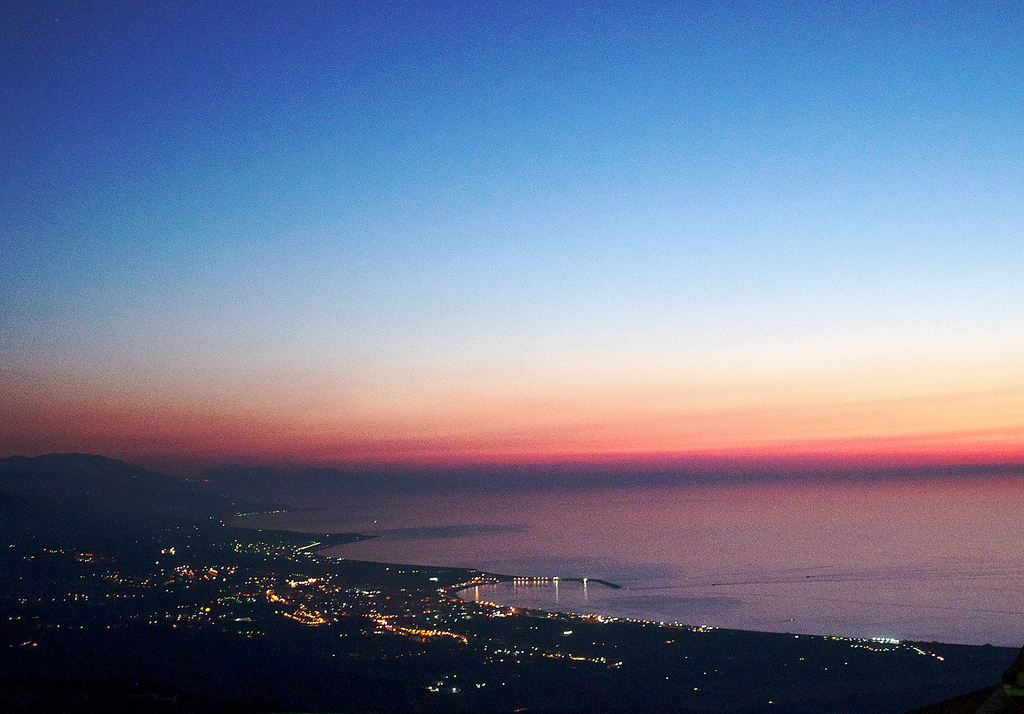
(526, 581)
(552, 580)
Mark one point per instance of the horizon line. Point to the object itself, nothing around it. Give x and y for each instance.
(733, 461)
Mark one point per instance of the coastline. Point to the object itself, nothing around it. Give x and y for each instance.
(398, 637)
(474, 577)
(873, 572)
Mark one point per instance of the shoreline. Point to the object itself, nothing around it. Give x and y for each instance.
(548, 581)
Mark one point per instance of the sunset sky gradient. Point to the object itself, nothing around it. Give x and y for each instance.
(456, 232)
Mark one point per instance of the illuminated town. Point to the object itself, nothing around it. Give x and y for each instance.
(257, 585)
(126, 590)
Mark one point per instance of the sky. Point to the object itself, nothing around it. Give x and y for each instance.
(451, 232)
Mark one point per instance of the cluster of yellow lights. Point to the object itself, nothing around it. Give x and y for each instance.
(309, 618)
(420, 632)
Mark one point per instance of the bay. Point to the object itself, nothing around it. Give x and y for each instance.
(927, 559)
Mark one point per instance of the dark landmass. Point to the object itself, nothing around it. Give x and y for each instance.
(279, 483)
(124, 591)
(1004, 698)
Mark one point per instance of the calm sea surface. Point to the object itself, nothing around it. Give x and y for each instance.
(926, 560)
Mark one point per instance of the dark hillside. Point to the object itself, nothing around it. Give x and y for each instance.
(91, 500)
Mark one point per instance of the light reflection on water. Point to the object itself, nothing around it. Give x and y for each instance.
(920, 560)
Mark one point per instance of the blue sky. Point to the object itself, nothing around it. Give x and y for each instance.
(440, 214)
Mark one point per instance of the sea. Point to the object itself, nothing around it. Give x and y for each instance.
(926, 559)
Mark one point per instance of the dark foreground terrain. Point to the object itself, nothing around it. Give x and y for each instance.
(122, 590)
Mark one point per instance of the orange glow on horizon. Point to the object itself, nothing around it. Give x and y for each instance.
(791, 431)
(239, 445)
